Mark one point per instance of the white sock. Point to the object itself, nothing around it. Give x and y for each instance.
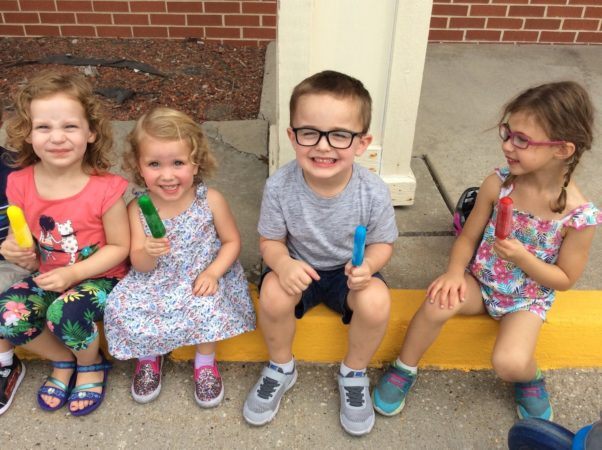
(345, 370)
(201, 360)
(285, 367)
(400, 365)
(6, 358)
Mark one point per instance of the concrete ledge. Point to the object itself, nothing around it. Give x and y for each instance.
(572, 336)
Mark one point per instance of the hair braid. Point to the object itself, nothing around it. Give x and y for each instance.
(560, 203)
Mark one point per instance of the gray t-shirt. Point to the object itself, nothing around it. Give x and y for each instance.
(320, 230)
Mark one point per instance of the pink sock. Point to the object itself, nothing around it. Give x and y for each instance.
(150, 358)
(203, 360)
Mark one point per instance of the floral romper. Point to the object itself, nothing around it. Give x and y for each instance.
(152, 313)
(504, 286)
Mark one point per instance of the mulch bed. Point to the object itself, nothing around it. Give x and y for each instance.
(206, 80)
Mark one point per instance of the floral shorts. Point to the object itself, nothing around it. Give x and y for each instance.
(498, 305)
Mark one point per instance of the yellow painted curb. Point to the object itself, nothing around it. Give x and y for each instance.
(571, 337)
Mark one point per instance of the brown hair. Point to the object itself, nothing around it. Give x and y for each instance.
(170, 124)
(338, 85)
(18, 128)
(565, 111)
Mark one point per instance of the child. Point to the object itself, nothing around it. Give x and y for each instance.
(544, 132)
(12, 369)
(310, 209)
(62, 143)
(186, 288)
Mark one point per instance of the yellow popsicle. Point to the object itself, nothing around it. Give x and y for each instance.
(19, 226)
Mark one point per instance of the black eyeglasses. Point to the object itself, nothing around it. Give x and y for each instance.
(340, 139)
(521, 141)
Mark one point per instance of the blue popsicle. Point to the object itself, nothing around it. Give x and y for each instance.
(359, 243)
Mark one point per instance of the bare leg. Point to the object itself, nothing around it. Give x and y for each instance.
(513, 354)
(371, 307)
(276, 317)
(206, 348)
(49, 347)
(5, 345)
(430, 318)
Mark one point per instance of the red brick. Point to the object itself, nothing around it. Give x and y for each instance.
(259, 7)
(584, 2)
(168, 19)
(580, 24)
(589, 37)
(548, 2)
(73, 6)
(94, 18)
(520, 36)
(42, 30)
(78, 30)
(268, 21)
(470, 1)
(592, 12)
(445, 35)
(513, 2)
(205, 19)
(526, 11)
(112, 7)
(222, 7)
(241, 20)
(37, 5)
(259, 33)
(130, 19)
(186, 32)
(438, 22)
(106, 31)
(9, 6)
(150, 32)
(483, 35)
(212, 32)
(25, 17)
(184, 7)
(450, 10)
(57, 17)
(542, 24)
(557, 37)
(12, 30)
(248, 43)
(502, 23)
(467, 22)
(143, 6)
(564, 11)
(488, 10)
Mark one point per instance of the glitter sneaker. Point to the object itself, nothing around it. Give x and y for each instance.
(146, 382)
(10, 379)
(389, 395)
(263, 400)
(532, 400)
(208, 386)
(357, 414)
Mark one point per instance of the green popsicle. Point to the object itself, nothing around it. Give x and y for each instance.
(152, 216)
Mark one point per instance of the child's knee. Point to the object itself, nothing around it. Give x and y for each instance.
(274, 302)
(510, 366)
(372, 304)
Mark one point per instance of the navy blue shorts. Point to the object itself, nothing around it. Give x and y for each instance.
(331, 289)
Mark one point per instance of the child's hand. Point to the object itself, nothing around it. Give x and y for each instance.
(358, 277)
(57, 280)
(156, 247)
(509, 249)
(24, 257)
(295, 276)
(448, 289)
(205, 284)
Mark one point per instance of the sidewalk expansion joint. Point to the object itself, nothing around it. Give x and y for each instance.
(437, 181)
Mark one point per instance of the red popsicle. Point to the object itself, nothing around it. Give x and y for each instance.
(503, 224)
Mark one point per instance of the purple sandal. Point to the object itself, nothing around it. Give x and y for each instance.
(60, 391)
(79, 393)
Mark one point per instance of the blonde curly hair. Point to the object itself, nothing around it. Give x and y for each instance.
(97, 158)
(171, 125)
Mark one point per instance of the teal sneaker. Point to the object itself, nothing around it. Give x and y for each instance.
(532, 400)
(389, 395)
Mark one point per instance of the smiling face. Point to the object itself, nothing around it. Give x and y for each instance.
(166, 169)
(327, 169)
(60, 132)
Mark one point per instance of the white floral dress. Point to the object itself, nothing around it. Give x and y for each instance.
(155, 312)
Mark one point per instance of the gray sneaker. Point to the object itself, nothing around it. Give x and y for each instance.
(357, 414)
(263, 400)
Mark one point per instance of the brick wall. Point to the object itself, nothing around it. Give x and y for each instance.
(517, 21)
(248, 22)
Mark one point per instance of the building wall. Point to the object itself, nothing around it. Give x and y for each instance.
(253, 22)
(517, 21)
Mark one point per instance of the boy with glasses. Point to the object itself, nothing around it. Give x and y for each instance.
(310, 209)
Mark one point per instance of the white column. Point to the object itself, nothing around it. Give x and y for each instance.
(383, 44)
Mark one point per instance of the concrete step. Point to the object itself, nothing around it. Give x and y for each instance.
(571, 336)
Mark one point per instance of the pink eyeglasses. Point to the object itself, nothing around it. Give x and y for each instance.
(521, 141)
